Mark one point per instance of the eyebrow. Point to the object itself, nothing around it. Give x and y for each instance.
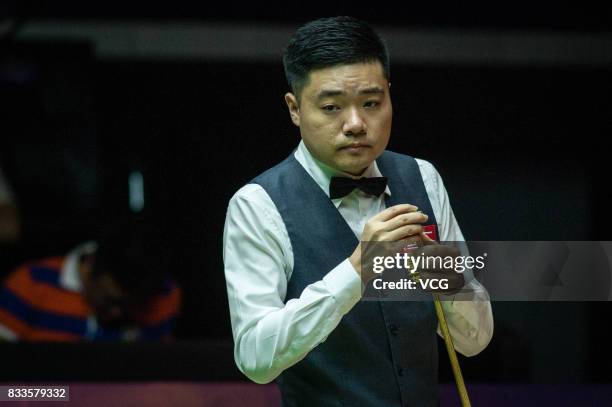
(372, 90)
(337, 92)
(329, 92)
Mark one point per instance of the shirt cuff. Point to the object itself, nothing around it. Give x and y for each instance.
(467, 316)
(344, 284)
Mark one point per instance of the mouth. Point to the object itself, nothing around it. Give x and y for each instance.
(354, 147)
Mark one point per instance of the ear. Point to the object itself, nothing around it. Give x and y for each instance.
(294, 108)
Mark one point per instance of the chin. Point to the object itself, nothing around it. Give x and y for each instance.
(357, 169)
(354, 164)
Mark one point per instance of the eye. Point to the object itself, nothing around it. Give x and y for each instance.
(330, 108)
(371, 103)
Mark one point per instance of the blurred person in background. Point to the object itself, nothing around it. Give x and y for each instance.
(115, 289)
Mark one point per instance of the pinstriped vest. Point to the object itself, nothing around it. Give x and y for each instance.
(382, 353)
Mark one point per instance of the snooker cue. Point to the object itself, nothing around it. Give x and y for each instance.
(450, 348)
(452, 355)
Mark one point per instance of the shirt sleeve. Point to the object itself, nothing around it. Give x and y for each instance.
(470, 322)
(270, 334)
(16, 312)
(159, 320)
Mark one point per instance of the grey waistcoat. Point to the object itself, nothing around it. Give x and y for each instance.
(383, 353)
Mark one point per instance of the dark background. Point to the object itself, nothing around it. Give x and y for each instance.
(521, 147)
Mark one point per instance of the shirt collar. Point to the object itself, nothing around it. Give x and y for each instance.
(70, 279)
(322, 173)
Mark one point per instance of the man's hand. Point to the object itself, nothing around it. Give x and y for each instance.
(399, 222)
(431, 269)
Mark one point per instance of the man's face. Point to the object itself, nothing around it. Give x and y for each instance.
(107, 300)
(344, 115)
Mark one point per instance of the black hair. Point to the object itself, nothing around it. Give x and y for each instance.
(329, 42)
(135, 255)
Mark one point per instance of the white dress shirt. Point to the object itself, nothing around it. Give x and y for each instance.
(271, 335)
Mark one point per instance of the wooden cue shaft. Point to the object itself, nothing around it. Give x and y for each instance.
(463, 394)
(450, 348)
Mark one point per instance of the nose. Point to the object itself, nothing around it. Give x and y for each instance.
(354, 124)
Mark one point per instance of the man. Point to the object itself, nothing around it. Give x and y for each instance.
(112, 290)
(291, 241)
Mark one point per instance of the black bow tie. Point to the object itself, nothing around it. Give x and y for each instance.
(342, 186)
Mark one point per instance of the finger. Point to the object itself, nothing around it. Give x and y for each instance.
(427, 240)
(404, 219)
(454, 280)
(393, 211)
(403, 232)
(440, 250)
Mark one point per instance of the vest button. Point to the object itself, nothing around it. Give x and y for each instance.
(393, 329)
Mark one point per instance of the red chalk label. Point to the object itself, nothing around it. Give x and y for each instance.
(431, 232)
